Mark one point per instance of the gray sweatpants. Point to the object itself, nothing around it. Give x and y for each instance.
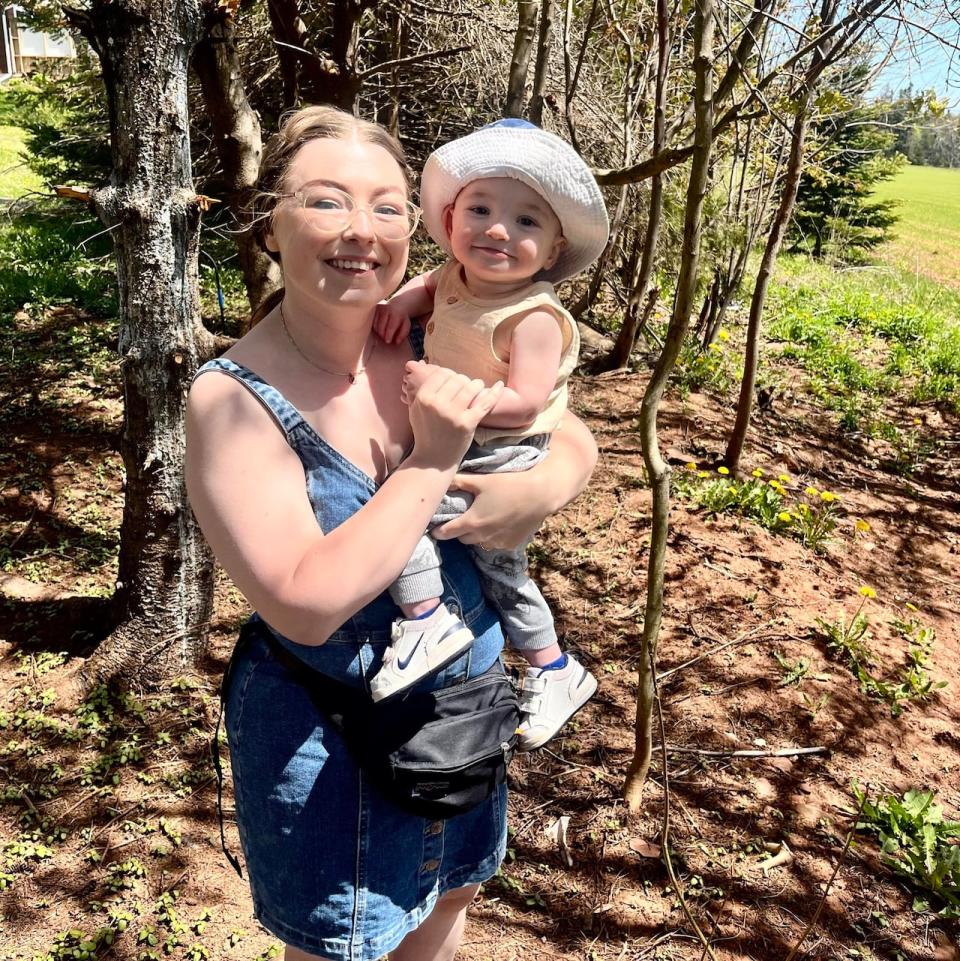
(523, 611)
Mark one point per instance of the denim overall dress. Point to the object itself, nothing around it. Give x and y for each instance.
(334, 868)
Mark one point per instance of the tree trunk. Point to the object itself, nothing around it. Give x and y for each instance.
(627, 336)
(520, 61)
(165, 589)
(657, 468)
(237, 140)
(541, 68)
(770, 253)
(822, 55)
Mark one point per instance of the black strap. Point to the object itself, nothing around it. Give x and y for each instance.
(246, 633)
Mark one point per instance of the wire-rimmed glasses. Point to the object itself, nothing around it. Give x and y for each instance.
(330, 211)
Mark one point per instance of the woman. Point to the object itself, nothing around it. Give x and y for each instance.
(297, 473)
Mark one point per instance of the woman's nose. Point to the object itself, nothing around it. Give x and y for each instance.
(360, 226)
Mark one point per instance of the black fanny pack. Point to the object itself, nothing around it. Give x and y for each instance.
(434, 754)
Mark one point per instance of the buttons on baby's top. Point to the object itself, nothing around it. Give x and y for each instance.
(431, 327)
(452, 299)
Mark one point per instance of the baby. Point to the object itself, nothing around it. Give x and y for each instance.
(517, 210)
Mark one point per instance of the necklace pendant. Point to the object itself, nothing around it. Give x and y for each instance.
(352, 378)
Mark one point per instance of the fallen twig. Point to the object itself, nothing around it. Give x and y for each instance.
(780, 752)
(742, 639)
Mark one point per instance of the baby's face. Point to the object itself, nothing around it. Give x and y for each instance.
(503, 233)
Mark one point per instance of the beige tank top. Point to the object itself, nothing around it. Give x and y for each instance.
(459, 335)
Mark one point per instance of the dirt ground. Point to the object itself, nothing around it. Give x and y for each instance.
(729, 582)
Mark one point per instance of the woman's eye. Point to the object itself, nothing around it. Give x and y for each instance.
(389, 210)
(324, 203)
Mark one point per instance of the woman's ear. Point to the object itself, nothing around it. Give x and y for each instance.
(269, 241)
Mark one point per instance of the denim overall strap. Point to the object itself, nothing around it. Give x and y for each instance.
(283, 412)
(416, 340)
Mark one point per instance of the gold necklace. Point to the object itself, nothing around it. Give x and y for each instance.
(350, 375)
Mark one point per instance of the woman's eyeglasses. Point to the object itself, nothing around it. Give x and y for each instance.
(331, 211)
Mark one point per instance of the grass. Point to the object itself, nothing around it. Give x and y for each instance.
(927, 239)
(868, 334)
(16, 179)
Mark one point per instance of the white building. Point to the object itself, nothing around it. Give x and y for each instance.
(20, 47)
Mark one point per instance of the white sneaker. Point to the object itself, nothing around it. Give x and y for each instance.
(548, 699)
(419, 648)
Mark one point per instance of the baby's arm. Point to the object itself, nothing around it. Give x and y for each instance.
(536, 346)
(413, 299)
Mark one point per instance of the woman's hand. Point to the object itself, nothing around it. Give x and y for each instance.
(509, 508)
(445, 412)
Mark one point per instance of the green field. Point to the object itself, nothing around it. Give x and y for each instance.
(927, 238)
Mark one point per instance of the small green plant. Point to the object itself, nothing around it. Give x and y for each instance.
(792, 673)
(918, 843)
(850, 638)
(811, 519)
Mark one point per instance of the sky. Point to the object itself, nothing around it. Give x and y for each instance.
(926, 63)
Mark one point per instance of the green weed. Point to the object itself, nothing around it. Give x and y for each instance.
(851, 640)
(866, 335)
(811, 517)
(918, 843)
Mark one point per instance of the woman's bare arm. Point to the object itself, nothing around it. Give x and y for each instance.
(509, 508)
(247, 489)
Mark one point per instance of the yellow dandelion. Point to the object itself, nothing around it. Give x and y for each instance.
(715, 347)
(723, 335)
(785, 516)
(703, 473)
(862, 526)
(803, 508)
(723, 470)
(811, 491)
(691, 466)
(912, 607)
(778, 487)
(731, 489)
(868, 591)
(784, 478)
(828, 497)
(757, 473)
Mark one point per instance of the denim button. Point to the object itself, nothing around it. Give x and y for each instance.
(435, 828)
(431, 327)
(431, 865)
(451, 300)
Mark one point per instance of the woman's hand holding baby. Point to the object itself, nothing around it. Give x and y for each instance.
(445, 409)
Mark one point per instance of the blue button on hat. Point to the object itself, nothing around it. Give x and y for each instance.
(545, 163)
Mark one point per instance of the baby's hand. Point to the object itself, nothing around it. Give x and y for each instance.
(418, 372)
(391, 323)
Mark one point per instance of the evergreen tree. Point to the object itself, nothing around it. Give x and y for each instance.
(853, 151)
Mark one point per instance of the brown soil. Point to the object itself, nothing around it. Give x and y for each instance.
(727, 580)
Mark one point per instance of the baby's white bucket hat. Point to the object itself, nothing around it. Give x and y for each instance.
(545, 163)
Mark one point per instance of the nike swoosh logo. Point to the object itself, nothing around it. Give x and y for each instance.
(404, 664)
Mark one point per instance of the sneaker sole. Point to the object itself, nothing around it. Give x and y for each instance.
(462, 645)
(564, 722)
